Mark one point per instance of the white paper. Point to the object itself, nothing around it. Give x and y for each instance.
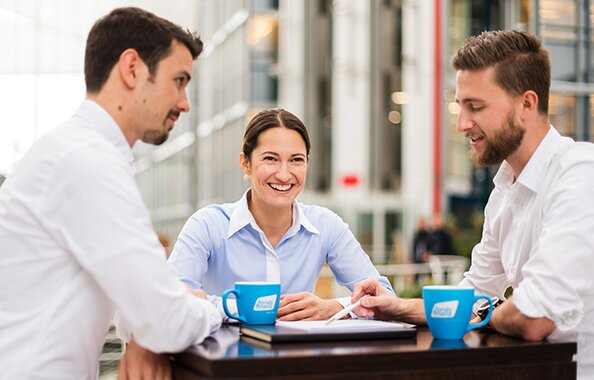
(342, 325)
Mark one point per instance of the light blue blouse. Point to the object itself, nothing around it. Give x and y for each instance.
(222, 244)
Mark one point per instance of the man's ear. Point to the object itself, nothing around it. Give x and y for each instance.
(129, 66)
(530, 101)
(244, 164)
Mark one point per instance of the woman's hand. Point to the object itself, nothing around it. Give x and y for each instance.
(306, 306)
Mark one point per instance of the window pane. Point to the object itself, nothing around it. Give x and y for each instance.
(31, 105)
(591, 118)
(561, 113)
(16, 130)
(365, 230)
(558, 20)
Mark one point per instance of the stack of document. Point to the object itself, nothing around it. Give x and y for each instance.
(344, 329)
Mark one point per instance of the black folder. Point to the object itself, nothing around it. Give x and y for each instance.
(282, 333)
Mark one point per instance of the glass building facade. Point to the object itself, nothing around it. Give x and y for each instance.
(373, 84)
(370, 79)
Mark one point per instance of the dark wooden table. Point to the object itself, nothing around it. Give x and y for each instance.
(481, 355)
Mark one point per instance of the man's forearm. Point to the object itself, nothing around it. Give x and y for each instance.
(508, 320)
(411, 310)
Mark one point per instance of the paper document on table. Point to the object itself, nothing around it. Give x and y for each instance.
(342, 325)
(343, 329)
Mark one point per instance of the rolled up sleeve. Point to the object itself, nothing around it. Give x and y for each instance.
(558, 275)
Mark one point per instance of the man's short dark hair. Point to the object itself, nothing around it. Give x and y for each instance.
(131, 28)
(520, 62)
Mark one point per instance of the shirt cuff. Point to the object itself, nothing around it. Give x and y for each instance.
(212, 314)
(564, 319)
(214, 317)
(346, 301)
(231, 305)
(122, 328)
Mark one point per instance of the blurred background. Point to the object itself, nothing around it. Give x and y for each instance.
(370, 78)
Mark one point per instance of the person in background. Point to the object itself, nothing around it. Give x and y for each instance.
(441, 239)
(76, 241)
(538, 232)
(422, 243)
(269, 236)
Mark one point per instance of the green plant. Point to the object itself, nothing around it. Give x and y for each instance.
(413, 291)
(464, 240)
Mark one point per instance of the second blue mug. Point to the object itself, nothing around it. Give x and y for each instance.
(448, 310)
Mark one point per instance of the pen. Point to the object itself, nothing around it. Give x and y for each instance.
(343, 312)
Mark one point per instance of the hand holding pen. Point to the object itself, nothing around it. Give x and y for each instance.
(343, 312)
(379, 303)
(374, 299)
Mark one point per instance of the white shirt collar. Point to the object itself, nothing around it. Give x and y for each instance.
(534, 171)
(241, 217)
(99, 120)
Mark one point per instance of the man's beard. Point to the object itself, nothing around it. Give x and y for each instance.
(159, 136)
(496, 149)
(155, 136)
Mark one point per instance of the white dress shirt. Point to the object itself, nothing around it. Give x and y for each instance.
(538, 237)
(76, 244)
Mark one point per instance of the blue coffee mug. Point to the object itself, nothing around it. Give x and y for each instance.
(257, 302)
(448, 310)
(448, 344)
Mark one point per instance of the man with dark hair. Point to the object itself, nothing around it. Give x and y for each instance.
(131, 28)
(76, 241)
(539, 222)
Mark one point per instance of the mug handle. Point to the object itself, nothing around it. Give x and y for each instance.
(229, 314)
(487, 319)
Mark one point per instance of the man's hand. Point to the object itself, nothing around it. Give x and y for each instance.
(306, 306)
(378, 302)
(474, 320)
(138, 363)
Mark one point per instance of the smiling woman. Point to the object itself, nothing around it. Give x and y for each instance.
(269, 236)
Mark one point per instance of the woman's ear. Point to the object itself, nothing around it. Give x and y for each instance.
(244, 164)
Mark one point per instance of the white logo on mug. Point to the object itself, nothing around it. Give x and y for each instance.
(265, 303)
(444, 309)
